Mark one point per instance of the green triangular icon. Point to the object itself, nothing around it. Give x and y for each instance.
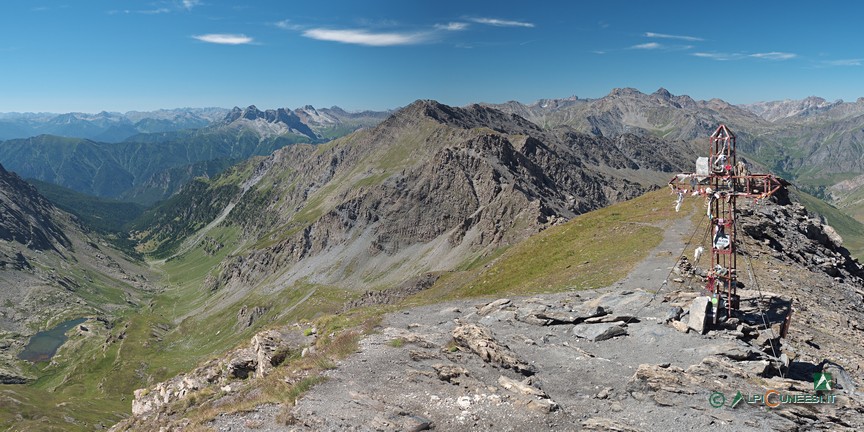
(822, 381)
(738, 398)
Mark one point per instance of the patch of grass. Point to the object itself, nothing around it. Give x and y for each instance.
(396, 343)
(452, 346)
(302, 387)
(593, 250)
(372, 180)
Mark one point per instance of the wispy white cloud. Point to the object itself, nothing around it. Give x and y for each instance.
(599, 52)
(161, 7)
(141, 11)
(774, 55)
(718, 56)
(647, 46)
(452, 26)
(365, 37)
(289, 25)
(502, 23)
(225, 38)
(844, 62)
(670, 36)
(189, 4)
(152, 11)
(49, 8)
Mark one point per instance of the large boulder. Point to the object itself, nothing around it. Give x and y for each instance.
(699, 314)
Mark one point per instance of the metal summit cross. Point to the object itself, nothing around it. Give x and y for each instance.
(721, 180)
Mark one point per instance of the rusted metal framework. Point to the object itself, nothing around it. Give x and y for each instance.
(721, 179)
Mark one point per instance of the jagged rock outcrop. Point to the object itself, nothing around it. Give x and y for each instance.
(269, 122)
(796, 235)
(265, 351)
(480, 340)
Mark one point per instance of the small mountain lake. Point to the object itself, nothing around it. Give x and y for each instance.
(43, 345)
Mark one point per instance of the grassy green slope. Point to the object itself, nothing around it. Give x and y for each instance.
(592, 250)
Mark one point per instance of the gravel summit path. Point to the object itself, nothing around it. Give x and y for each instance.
(602, 359)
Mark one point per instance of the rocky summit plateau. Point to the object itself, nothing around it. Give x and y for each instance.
(485, 267)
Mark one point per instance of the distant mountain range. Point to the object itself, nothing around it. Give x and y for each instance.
(813, 142)
(148, 167)
(326, 123)
(105, 126)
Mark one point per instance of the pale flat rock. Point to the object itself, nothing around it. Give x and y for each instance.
(599, 332)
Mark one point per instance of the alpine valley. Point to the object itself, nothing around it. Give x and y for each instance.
(492, 267)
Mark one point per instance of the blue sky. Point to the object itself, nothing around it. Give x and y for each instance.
(116, 55)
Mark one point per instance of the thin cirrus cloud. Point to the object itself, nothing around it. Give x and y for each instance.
(718, 56)
(647, 46)
(289, 25)
(452, 26)
(365, 37)
(774, 55)
(671, 36)
(224, 38)
(502, 23)
(844, 62)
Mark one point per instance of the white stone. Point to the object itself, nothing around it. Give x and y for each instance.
(463, 402)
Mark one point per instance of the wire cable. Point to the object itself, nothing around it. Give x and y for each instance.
(758, 304)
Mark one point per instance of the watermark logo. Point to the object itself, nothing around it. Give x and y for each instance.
(717, 399)
(772, 398)
(737, 399)
(822, 381)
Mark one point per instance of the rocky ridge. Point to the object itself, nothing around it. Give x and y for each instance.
(268, 123)
(627, 110)
(778, 110)
(25, 216)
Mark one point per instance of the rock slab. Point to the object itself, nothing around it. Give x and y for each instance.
(699, 314)
(600, 332)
